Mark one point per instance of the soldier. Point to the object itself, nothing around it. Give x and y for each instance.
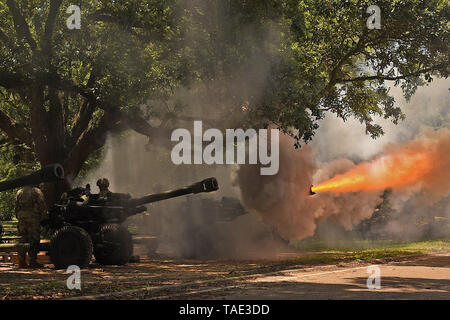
(30, 210)
(103, 185)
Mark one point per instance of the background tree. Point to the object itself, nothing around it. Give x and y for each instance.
(330, 61)
(62, 91)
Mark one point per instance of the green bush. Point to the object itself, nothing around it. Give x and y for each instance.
(13, 164)
(7, 205)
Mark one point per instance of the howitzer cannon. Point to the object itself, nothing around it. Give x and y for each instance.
(47, 174)
(86, 224)
(83, 224)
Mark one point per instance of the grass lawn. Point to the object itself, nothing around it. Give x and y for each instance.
(9, 224)
(367, 251)
(9, 228)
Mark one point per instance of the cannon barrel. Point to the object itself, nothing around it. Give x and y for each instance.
(49, 173)
(207, 185)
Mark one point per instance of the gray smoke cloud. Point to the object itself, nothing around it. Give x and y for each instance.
(280, 202)
(283, 200)
(185, 226)
(190, 226)
(429, 107)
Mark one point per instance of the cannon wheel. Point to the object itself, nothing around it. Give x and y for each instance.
(115, 247)
(70, 245)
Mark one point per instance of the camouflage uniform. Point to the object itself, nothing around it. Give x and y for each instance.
(30, 209)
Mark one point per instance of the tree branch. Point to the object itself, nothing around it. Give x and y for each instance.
(10, 80)
(400, 77)
(138, 124)
(92, 139)
(112, 122)
(21, 26)
(56, 125)
(39, 123)
(15, 130)
(4, 38)
(84, 115)
(49, 25)
(332, 75)
(81, 120)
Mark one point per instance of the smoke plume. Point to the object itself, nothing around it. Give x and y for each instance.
(283, 200)
(341, 146)
(421, 163)
(418, 169)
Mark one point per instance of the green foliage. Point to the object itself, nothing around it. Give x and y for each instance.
(287, 62)
(125, 55)
(62, 92)
(292, 62)
(331, 62)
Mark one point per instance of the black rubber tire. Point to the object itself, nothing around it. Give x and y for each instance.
(115, 247)
(70, 245)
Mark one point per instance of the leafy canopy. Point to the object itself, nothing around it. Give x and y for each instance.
(286, 62)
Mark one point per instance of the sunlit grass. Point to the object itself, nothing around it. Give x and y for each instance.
(379, 250)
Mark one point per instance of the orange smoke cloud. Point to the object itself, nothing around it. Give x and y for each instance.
(415, 162)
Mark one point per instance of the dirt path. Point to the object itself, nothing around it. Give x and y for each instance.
(425, 277)
(420, 277)
(48, 283)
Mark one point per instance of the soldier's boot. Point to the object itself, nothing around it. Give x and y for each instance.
(34, 263)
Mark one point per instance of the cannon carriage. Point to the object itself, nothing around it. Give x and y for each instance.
(83, 224)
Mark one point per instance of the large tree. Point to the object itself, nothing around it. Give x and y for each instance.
(63, 91)
(328, 60)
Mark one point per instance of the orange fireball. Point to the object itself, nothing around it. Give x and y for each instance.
(396, 170)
